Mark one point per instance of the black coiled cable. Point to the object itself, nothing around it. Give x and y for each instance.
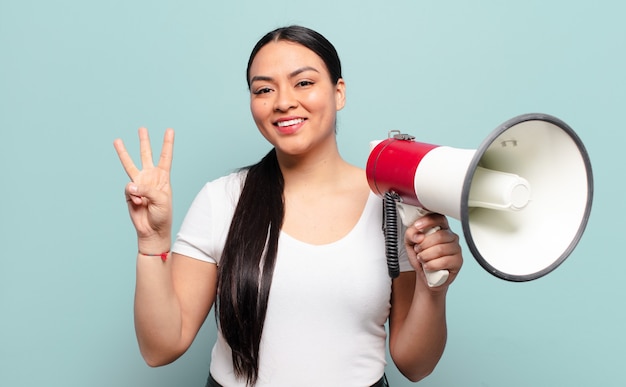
(390, 231)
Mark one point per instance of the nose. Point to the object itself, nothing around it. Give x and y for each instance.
(285, 100)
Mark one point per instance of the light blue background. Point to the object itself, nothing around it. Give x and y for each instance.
(75, 75)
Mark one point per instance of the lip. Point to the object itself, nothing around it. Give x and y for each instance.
(298, 122)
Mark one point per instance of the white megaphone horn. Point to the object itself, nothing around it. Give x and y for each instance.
(523, 197)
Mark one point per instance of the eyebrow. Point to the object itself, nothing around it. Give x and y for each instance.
(291, 75)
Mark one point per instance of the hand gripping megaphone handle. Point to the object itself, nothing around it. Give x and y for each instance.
(437, 277)
(409, 215)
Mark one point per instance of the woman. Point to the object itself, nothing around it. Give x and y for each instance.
(290, 249)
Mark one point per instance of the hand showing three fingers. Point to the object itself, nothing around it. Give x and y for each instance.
(149, 194)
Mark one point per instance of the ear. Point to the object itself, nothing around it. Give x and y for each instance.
(340, 94)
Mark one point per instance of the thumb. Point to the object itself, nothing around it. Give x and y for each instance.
(135, 193)
(141, 194)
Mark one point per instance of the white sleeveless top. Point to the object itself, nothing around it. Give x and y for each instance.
(328, 304)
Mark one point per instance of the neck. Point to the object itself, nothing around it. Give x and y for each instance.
(317, 168)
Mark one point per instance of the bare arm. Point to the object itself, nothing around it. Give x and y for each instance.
(172, 297)
(418, 330)
(172, 301)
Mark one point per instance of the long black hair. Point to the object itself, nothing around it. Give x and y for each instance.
(247, 263)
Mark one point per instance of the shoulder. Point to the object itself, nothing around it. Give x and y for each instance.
(205, 226)
(217, 199)
(227, 187)
(233, 181)
(353, 179)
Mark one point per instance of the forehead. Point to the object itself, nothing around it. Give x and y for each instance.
(284, 57)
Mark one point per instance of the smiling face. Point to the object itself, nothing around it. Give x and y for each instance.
(293, 100)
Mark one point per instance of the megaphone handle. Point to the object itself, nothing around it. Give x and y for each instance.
(409, 215)
(437, 277)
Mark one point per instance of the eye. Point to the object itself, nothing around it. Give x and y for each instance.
(262, 90)
(305, 83)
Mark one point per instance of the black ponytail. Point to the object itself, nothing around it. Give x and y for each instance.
(247, 264)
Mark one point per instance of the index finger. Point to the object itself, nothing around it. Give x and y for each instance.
(430, 221)
(167, 150)
(127, 161)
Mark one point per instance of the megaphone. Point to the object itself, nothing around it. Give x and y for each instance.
(523, 197)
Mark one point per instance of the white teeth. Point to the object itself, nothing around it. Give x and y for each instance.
(290, 122)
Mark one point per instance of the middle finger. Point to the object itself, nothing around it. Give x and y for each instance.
(144, 148)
